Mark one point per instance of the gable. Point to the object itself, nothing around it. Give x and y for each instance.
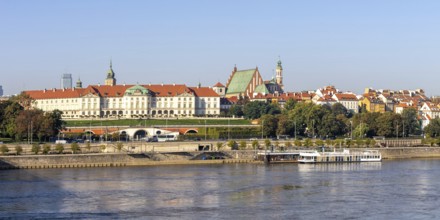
(240, 81)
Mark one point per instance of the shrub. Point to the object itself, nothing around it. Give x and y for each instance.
(88, 146)
(243, 145)
(307, 142)
(36, 148)
(18, 149)
(255, 144)
(59, 148)
(119, 146)
(46, 148)
(4, 149)
(75, 148)
(232, 144)
(219, 145)
(267, 143)
(319, 142)
(297, 143)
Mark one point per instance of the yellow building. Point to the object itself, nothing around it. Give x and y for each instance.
(372, 104)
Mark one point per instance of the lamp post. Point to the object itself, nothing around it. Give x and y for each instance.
(205, 129)
(351, 130)
(262, 129)
(295, 129)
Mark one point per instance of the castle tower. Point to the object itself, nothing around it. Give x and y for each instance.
(279, 75)
(110, 80)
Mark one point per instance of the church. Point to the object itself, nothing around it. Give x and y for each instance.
(249, 83)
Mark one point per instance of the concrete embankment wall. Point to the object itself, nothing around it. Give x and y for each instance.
(410, 152)
(178, 158)
(116, 160)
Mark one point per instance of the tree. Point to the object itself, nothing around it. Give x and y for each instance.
(18, 150)
(59, 148)
(387, 123)
(269, 124)
(4, 149)
(219, 145)
(410, 123)
(36, 148)
(75, 148)
(339, 109)
(290, 105)
(236, 110)
(433, 128)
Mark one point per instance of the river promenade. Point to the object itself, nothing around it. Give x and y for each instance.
(174, 154)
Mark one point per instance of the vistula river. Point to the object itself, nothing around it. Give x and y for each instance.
(399, 189)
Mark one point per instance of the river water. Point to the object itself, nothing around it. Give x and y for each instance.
(399, 189)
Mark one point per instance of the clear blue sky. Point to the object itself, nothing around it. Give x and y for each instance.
(391, 44)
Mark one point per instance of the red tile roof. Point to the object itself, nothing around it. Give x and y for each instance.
(218, 85)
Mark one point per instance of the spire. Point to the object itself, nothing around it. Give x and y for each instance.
(110, 63)
(78, 83)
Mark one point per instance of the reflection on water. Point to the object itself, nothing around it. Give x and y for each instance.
(393, 189)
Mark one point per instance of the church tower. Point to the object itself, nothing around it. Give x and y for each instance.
(279, 75)
(110, 80)
(78, 84)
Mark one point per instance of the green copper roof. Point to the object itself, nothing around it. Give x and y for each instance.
(261, 89)
(240, 81)
(279, 65)
(110, 73)
(136, 90)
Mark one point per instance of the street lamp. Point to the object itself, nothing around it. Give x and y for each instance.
(351, 130)
(295, 130)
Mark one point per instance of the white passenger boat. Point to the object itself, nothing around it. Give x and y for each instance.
(340, 156)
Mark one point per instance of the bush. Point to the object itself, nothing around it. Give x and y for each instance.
(88, 146)
(36, 148)
(307, 142)
(219, 145)
(255, 144)
(75, 148)
(267, 143)
(59, 148)
(297, 143)
(243, 145)
(232, 144)
(119, 146)
(46, 148)
(4, 149)
(319, 142)
(18, 149)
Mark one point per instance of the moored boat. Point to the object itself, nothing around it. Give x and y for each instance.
(340, 156)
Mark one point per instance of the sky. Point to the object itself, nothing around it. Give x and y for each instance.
(391, 44)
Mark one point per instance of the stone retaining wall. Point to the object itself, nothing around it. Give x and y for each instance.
(180, 158)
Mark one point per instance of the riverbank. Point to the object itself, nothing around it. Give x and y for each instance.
(173, 158)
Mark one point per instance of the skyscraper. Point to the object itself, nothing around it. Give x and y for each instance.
(1, 91)
(66, 81)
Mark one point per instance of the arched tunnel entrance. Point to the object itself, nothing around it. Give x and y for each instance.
(138, 135)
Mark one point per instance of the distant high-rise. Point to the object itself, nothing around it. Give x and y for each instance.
(66, 81)
(1, 91)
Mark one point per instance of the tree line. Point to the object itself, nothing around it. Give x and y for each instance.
(322, 121)
(19, 121)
